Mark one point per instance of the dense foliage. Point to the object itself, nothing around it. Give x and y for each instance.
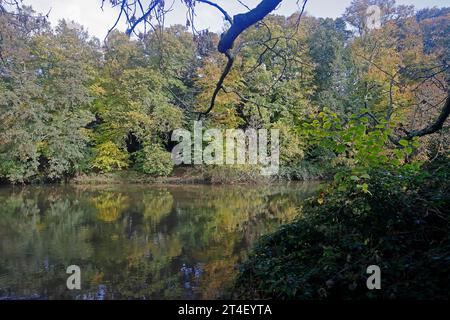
(349, 103)
(402, 226)
(72, 106)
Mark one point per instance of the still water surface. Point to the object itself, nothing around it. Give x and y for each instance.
(135, 242)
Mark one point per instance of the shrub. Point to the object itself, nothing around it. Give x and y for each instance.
(109, 158)
(154, 160)
(307, 170)
(403, 226)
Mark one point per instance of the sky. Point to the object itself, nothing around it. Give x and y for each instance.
(97, 22)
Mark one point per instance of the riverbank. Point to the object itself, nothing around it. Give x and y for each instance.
(402, 226)
(135, 177)
(195, 175)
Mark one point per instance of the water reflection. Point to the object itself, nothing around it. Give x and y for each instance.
(134, 242)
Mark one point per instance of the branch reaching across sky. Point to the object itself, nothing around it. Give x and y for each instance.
(139, 12)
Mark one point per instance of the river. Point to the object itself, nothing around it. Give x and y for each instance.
(135, 241)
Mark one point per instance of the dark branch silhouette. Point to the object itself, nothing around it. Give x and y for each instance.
(238, 24)
(243, 21)
(436, 125)
(219, 85)
(226, 15)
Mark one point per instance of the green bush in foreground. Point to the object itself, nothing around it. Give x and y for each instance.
(154, 160)
(402, 225)
(110, 158)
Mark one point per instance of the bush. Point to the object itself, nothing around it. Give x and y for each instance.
(154, 160)
(109, 158)
(403, 226)
(307, 170)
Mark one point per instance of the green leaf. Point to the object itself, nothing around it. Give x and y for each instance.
(365, 176)
(364, 187)
(340, 148)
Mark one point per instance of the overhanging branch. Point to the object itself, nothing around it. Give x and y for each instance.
(215, 5)
(436, 125)
(219, 85)
(243, 21)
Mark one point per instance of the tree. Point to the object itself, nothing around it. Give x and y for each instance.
(72, 103)
(393, 66)
(137, 12)
(334, 75)
(44, 83)
(133, 104)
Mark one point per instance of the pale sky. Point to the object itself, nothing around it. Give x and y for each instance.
(89, 14)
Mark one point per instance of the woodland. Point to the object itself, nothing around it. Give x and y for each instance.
(363, 109)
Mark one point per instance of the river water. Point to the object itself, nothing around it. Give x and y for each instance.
(135, 241)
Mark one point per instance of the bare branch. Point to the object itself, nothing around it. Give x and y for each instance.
(219, 85)
(117, 20)
(243, 21)
(143, 17)
(238, 24)
(436, 125)
(226, 15)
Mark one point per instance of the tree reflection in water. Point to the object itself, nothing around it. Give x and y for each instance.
(135, 242)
